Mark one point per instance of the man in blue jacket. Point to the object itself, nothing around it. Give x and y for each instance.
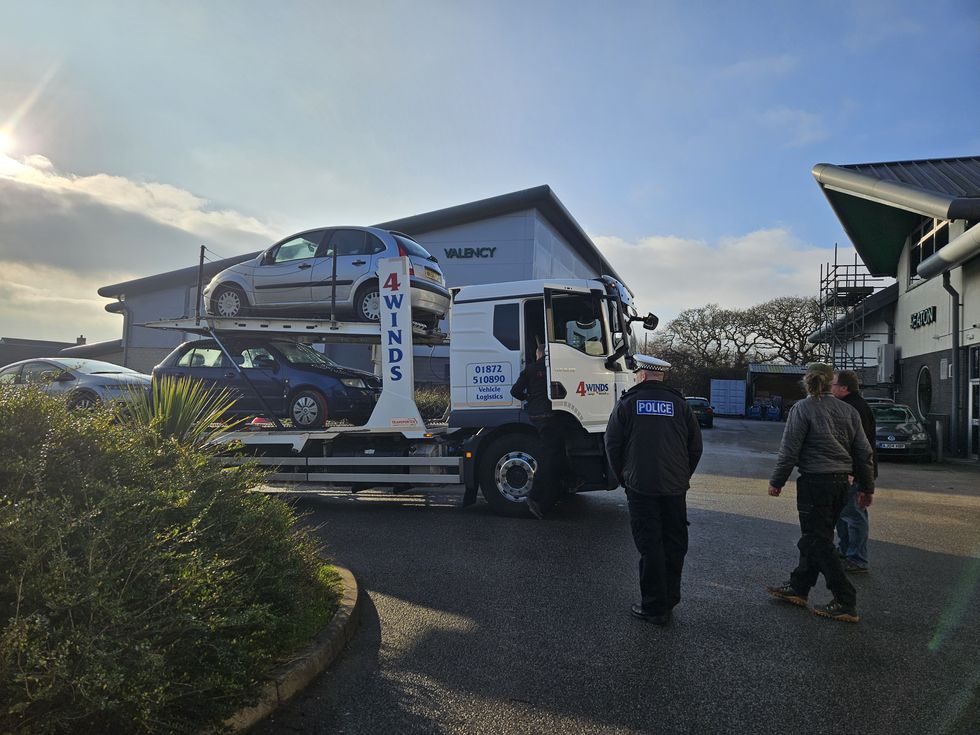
(653, 443)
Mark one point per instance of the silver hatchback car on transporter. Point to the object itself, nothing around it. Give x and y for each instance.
(333, 267)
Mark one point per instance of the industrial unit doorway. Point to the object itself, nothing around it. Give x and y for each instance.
(974, 392)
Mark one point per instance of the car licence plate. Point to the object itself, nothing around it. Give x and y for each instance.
(433, 275)
(890, 445)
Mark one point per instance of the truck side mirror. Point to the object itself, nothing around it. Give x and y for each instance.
(650, 321)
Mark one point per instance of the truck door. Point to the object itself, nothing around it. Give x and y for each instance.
(578, 344)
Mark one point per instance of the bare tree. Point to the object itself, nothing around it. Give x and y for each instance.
(783, 325)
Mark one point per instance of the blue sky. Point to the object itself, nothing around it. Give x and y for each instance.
(680, 135)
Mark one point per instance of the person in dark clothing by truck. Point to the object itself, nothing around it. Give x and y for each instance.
(653, 443)
(824, 437)
(852, 526)
(532, 387)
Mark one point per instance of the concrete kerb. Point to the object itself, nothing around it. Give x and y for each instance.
(296, 674)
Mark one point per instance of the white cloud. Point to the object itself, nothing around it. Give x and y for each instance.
(800, 127)
(669, 274)
(161, 203)
(63, 236)
(43, 302)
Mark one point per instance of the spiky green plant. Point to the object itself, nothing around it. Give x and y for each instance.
(183, 409)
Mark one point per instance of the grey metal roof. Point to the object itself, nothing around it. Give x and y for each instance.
(765, 368)
(879, 204)
(955, 177)
(541, 198)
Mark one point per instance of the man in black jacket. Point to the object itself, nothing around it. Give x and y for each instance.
(852, 526)
(532, 386)
(653, 443)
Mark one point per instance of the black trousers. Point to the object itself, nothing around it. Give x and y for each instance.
(552, 464)
(820, 499)
(659, 525)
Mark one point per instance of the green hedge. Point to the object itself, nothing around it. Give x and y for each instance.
(142, 587)
(433, 402)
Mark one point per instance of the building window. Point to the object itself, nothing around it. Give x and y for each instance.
(926, 239)
(923, 391)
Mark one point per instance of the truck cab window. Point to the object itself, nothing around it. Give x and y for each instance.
(507, 325)
(578, 323)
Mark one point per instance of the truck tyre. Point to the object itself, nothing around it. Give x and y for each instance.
(507, 473)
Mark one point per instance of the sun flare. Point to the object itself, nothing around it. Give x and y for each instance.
(6, 141)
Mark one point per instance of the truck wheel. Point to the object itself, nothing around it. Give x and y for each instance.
(507, 473)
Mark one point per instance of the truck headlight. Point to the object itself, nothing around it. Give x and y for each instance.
(353, 382)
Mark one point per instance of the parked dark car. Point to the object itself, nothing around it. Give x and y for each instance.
(900, 433)
(83, 383)
(296, 381)
(704, 412)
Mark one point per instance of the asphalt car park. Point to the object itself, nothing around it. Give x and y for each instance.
(473, 623)
(290, 379)
(83, 383)
(327, 270)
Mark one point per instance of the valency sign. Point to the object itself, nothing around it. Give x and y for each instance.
(924, 317)
(470, 252)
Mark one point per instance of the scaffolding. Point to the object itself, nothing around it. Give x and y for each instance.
(844, 289)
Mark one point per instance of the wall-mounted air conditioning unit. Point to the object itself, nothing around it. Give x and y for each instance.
(886, 363)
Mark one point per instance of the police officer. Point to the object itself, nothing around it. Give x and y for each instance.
(532, 386)
(653, 443)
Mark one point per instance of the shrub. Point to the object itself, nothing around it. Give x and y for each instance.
(433, 402)
(143, 588)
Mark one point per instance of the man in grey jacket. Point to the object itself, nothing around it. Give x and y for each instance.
(825, 439)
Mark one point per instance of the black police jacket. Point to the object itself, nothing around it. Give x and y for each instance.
(653, 441)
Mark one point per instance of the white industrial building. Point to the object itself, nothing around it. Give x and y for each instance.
(917, 222)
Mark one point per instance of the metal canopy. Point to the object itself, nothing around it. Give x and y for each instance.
(879, 204)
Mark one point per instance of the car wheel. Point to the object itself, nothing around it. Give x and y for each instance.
(308, 409)
(507, 473)
(83, 400)
(229, 302)
(367, 303)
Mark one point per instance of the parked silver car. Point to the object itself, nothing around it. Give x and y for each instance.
(83, 382)
(304, 272)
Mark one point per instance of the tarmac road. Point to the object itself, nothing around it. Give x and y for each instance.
(479, 624)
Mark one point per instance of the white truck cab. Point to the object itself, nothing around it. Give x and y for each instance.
(584, 326)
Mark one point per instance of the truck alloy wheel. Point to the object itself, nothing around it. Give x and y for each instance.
(507, 473)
